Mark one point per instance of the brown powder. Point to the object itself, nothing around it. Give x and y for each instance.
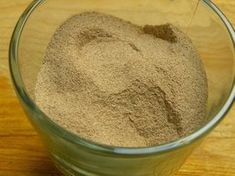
(120, 84)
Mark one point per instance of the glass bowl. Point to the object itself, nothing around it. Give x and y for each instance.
(210, 32)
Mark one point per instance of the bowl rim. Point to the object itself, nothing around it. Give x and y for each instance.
(75, 139)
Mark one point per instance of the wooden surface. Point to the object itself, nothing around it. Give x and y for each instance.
(23, 154)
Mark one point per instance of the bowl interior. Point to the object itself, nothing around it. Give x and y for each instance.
(206, 29)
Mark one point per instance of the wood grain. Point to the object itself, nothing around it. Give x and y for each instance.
(23, 154)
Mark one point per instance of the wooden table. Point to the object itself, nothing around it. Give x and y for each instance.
(23, 154)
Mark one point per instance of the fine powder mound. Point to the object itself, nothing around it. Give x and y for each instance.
(120, 84)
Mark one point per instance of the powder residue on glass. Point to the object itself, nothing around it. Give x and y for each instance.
(120, 84)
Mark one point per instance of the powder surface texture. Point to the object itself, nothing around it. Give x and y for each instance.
(120, 84)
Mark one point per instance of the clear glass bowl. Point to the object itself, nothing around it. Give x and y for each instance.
(209, 30)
